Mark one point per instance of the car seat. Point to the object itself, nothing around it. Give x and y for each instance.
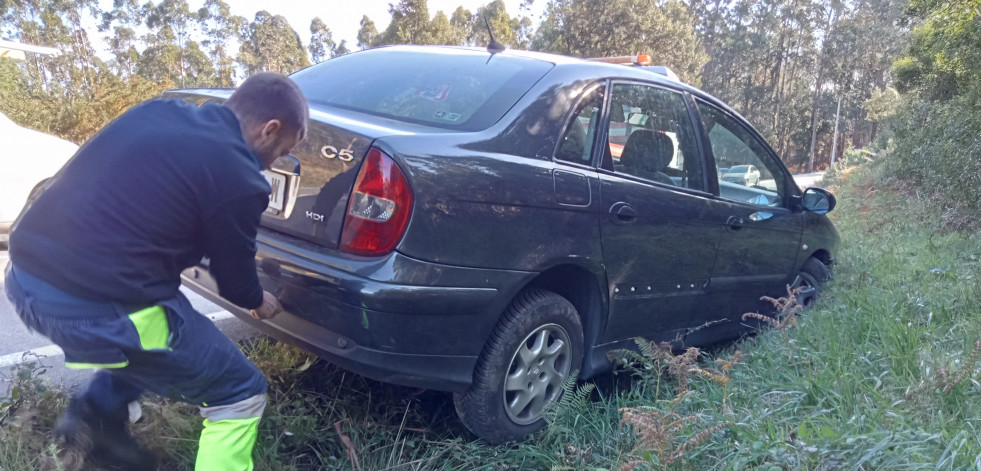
(573, 145)
(646, 153)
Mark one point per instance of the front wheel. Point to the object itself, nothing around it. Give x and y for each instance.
(535, 346)
(812, 275)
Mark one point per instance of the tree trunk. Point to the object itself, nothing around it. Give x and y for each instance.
(810, 155)
(832, 16)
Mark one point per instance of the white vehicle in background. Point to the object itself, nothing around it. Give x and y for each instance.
(27, 159)
(746, 175)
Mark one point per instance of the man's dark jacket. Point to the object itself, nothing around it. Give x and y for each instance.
(163, 185)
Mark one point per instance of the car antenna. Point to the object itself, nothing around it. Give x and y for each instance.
(494, 46)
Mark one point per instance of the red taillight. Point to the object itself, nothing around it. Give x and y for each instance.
(379, 209)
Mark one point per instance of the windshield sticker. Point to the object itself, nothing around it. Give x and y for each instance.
(437, 93)
(447, 116)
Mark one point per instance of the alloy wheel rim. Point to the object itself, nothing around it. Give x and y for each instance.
(808, 288)
(535, 375)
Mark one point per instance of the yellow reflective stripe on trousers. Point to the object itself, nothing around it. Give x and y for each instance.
(108, 366)
(226, 445)
(152, 327)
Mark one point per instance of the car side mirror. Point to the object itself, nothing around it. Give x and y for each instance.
(818, 200)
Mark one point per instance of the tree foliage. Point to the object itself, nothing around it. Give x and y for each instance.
(367, 34)
(784, 64)
(945, 55)
(936, 134)
(662, 28)
(409, 25)
(219, 27)
(322, 45)
(882, 104)
(269, 44)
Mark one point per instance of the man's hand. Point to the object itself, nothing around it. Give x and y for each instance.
(269, 308)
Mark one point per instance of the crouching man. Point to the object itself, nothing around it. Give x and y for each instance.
(95, 266)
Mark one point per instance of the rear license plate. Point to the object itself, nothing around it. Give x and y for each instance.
(277, 197)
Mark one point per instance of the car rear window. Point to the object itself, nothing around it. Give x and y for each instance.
(456, 89)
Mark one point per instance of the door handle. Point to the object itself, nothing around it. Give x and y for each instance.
(623, 213)
(735, 222)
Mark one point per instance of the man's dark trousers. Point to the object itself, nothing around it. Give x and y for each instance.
(168, 349)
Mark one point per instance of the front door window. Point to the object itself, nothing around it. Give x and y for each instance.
(747, 171)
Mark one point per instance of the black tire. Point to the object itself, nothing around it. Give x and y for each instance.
(536, 317)
(812, 276)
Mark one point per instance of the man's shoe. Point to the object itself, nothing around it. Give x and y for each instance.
(73, 438)
(83, 430)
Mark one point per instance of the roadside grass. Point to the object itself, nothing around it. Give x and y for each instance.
(880, 373)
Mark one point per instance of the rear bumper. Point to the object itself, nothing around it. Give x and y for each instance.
(442, 372)
(420, 335)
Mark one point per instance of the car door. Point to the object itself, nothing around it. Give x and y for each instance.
(659, 245)
(761, 235)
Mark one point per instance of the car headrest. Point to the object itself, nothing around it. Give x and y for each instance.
(647, 150)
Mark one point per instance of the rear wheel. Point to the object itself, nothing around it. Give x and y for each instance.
(536, 345)
(812, 275)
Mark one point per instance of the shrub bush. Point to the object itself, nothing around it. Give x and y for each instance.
(937, 145)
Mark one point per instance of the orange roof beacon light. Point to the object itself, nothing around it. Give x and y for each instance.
(640, 59)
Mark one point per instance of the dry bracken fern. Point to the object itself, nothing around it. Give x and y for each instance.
(946, 381)
(657, 432)
(786, 309)
(681, 366)
(950, 381)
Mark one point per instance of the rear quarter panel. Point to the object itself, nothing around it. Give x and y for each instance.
(486, 210)
(488, 199)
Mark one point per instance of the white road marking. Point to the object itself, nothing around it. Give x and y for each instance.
(220, 316)
(54, 351)
(12, 359)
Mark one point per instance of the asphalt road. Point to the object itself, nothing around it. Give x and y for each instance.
(18, 345)
(805, 180)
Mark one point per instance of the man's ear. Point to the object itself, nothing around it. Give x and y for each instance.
(271, 128)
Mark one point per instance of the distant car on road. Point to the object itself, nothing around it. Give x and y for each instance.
(746, 175)
(28, 159)
(489, 223)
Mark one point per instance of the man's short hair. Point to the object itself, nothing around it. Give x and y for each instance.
(266, 96)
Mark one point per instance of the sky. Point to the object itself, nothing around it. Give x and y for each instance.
(343, 17)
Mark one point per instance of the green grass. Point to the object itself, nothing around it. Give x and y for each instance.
(859, 384)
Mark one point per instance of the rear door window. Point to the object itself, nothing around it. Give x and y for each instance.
(651, 136)
(451, 89)
(576, 145)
